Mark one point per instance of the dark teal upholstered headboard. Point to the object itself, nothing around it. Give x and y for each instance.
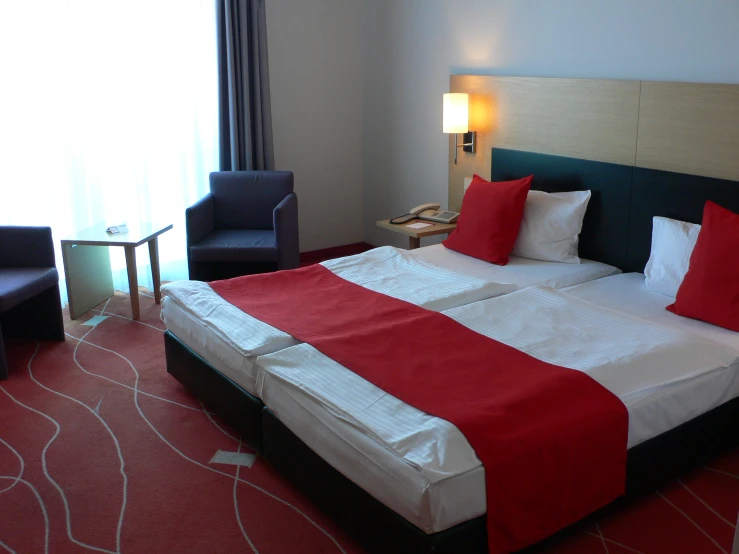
(618, 224)
(605, 230)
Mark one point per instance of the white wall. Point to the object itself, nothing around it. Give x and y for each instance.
(315, 63)
(412, 46)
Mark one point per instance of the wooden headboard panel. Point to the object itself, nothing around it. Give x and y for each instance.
(680, 127)
(579, 118)
(689, 128)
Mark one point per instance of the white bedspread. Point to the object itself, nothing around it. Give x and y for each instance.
(520, 271)
(639, 361)
(628, 293)
(192, 306)
(627, 355)
(403, 275)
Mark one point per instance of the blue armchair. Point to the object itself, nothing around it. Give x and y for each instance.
(248, 223)
(30, 305)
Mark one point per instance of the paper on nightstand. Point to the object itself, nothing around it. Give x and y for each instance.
(419, 225)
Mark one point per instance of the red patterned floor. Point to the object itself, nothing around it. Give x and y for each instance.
(101, 450)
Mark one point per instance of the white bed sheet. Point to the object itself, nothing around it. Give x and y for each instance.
(629, 294)
(422, 467)
(230, 340)
(520, 271)
(211, 345)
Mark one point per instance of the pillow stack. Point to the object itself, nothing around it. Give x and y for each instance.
(710, 290)
(490, 218)
(504, 218)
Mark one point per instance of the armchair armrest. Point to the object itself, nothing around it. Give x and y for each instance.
(199, 220)
(285, 218)
(26, 247)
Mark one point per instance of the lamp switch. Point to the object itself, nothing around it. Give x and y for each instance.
(467, 181)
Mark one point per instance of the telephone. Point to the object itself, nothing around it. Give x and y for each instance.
(429, 212)
(116, 229)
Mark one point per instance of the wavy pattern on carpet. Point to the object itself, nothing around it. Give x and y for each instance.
(102, 451)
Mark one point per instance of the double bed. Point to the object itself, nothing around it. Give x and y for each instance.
(402, 480)
(227, 340)
(423, 468)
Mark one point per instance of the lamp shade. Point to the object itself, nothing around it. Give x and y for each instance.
(456, 112)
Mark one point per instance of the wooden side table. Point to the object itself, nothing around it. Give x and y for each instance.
(87, 266)
(415, 235)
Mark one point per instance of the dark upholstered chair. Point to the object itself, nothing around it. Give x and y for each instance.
(30, 305)
(248, 223)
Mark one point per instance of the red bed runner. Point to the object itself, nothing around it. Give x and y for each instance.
(551, 439)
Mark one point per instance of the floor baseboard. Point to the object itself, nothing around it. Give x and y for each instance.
(316, 256)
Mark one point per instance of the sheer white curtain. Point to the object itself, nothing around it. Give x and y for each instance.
(108, 114)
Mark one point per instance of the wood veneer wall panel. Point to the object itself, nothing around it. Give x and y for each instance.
(689, 128)
(591, 119)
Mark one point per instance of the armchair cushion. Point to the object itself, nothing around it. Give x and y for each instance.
(26, 247)
(236, 245)
(18, 284)
(246, 199)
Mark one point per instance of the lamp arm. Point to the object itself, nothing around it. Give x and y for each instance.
(457, 146)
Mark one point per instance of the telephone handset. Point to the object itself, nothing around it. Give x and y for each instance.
(429, 212)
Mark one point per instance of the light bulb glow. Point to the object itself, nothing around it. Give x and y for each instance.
(455, 112)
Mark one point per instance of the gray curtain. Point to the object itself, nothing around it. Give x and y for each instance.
(244, 107)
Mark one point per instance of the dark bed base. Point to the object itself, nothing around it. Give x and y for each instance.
(237, 407)
(378, 529)
(375, 526)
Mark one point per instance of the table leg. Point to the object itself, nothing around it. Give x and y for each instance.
(133, 280)
(414, 242)
(154, 259)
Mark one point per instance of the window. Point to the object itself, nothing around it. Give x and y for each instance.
(108, 114)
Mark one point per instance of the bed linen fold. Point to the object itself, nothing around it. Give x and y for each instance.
(387, 270)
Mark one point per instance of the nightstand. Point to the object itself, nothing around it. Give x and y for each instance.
(415, 235)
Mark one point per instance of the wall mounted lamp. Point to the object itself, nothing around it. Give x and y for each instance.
(456, 120)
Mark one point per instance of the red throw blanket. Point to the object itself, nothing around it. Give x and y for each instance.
(551, 439)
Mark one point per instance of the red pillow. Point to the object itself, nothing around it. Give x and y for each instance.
(710, 289)
(491, 214)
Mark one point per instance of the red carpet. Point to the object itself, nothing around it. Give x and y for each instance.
(101, 450)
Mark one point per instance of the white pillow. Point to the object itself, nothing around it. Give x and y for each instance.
(551, 225)
(672, 244)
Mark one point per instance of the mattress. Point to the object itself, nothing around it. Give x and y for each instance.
(230, 340)
(422, 467)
